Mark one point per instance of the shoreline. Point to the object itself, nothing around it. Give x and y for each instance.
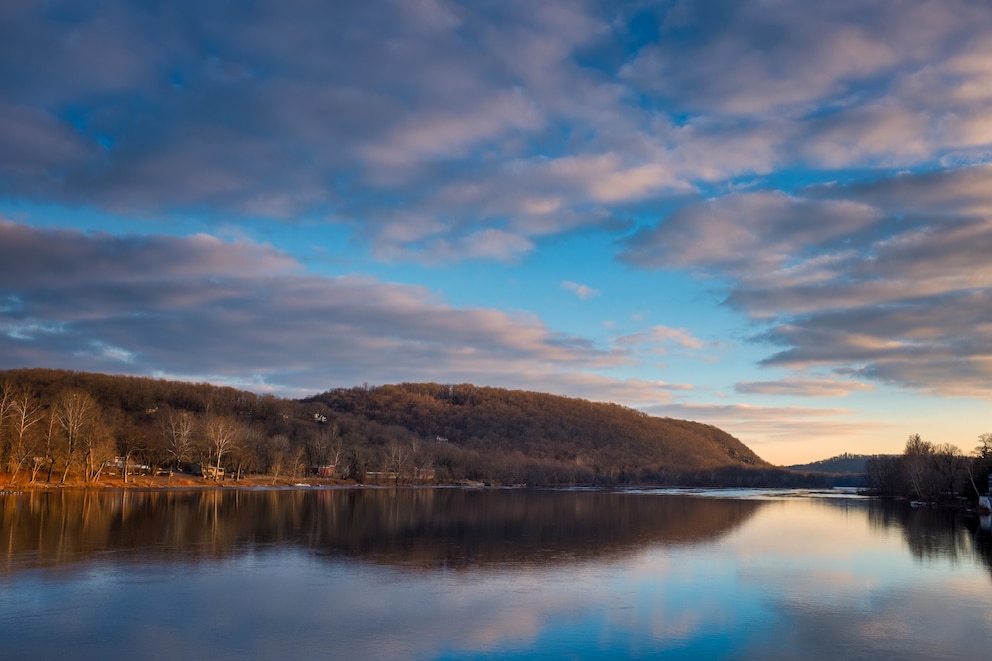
(164, 482)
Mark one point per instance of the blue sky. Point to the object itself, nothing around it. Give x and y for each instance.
(774, 216)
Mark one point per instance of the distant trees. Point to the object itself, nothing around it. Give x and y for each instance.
(924, 471)
(981, 466)
(85, 425)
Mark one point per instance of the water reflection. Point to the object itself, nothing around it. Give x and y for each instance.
(934, 533)
(415, 528)
(455, 574)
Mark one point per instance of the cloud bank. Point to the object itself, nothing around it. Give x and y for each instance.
(823, 166)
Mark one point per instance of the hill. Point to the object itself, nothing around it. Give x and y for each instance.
(426, 433)
(841, 464)
(601, 439)
(843, 470)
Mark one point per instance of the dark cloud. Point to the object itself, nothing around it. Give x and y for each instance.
(446, 131)
(492, 119)
(198, 307)
(887, 281)
(751, 58)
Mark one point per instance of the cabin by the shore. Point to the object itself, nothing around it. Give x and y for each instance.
(209, 472)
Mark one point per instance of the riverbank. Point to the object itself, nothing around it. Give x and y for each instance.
(175, 481)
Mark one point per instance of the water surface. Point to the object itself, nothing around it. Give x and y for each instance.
(488, 574)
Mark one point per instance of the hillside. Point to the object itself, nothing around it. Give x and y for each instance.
(606, 439)
(423, 433)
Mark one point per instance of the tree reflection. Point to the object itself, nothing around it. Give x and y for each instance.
(412, 528)
(934, 533)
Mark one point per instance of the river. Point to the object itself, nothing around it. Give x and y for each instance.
(488, 574)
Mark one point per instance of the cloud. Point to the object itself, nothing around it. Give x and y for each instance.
(503, 123)
(789, 55)
(751, 233)
(789, 433)
(801, 387)
(886, 280)
(201, 306)
(582, 291)
(441, 133)
(662, 337)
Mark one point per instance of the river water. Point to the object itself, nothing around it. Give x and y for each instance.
(488, 574)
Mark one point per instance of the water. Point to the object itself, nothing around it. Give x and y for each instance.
(488, 574)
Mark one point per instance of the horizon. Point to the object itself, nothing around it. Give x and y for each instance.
(771, 219)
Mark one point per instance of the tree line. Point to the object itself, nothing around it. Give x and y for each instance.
(931, 473)
(58, 425)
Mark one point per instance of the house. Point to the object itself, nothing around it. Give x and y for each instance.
(209, 472)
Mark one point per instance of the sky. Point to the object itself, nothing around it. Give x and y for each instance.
(773, 216)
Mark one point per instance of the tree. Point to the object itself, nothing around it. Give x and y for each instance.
(949, 467)
(50, 447)
(319, 446)
(26, 411)
(980, 466)
(396, 457)
(884, 475)
(917, 458)
(6, 391)
(983, 450)
(422, 458)
(99, 449)
(131, 441)
(279, 446)
(221, 433)
(76, 412)
(178, 429)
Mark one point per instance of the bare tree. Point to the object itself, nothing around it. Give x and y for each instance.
(249, 448)
(949, 467)
(51, 449)
(221, 434)
(99, 450)
(279, 457)
(75, 412)
(6, 392)
(26, 411)
(130, 442)
(318, 448)
(917, 457)
(396, 457)
(297, 460)
(422, 458)
(178, 429)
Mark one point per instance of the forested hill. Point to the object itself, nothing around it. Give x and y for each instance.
(604, 439)
(425, 433)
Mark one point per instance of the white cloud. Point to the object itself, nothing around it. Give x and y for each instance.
(584, 292)
(662, 337)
